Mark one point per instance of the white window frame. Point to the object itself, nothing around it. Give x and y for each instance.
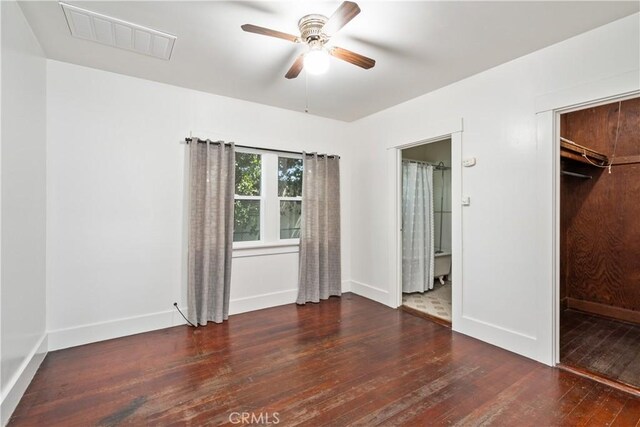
(280, 199)
(269, 201)
(261, 197)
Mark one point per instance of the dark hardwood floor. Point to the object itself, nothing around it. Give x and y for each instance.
(606, 347)
(347, 361)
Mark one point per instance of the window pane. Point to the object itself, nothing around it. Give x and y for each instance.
(246, 220)
(248, 170)
(290, 219)
(289, 177)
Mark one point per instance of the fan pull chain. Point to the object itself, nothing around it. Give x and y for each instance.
(306, 92)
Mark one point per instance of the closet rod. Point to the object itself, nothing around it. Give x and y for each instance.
(200, 141)
(577, 175)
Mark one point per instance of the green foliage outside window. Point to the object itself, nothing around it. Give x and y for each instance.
(247, 215)
(248, 173)
(246, 221)
(247, 212)
(289, 177)
(289, 185)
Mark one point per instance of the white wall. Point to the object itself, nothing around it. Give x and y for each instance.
(115, 183)
(506, 266)
(23, 212)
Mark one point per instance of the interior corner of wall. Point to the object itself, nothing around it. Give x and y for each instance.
(17, 386)
(346, 286)
(372, 292)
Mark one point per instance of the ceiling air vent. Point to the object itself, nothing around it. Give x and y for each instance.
(93, 26)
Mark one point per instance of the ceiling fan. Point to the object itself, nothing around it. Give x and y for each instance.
(316, 31)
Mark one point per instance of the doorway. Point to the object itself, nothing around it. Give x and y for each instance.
(599, 236)
(426, 230)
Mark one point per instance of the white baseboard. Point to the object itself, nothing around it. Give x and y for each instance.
(94, 332)
(85, 334)
(272, 299)
(514, 341)
(346, 286)
(259, 302)
(371, 292)
(18, 384)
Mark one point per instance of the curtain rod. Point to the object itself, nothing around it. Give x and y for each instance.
(188, 140)
(438, 166)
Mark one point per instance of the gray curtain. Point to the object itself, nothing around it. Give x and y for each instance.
(319, 275)
(212, 188)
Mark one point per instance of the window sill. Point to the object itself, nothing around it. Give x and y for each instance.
(262, 249)
(260, 245)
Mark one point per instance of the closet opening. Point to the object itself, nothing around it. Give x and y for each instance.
(600, 242)
(426, 230)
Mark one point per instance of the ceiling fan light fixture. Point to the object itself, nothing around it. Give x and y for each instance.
(315, 32)
(316, 61)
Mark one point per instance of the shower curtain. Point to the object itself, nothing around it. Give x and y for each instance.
(417, 227)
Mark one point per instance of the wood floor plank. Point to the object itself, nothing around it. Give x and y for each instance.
(328, 372)
(587, 342)
(347, 361)
(629, 415)
(472, 395)
(578, 324)
(609, 409)
(606, 347)
(631, 373)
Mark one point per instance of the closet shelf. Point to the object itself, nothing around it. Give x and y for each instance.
(578, 152)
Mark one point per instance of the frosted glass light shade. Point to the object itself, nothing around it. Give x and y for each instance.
(316, 61)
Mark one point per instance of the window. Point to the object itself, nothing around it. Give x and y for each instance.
(268, 198)
(290, 196)
(248, 199)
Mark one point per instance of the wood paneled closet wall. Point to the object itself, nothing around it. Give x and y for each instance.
(600, 217)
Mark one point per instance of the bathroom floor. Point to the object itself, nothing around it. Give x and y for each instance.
(436, 302)
(603, 346)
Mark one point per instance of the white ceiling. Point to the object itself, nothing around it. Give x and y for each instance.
(418, 46)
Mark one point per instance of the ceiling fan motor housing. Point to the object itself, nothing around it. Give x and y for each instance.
(311, 28)
(315, 31)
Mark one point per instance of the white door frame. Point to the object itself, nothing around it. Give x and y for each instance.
(549, 108)
(395, 234)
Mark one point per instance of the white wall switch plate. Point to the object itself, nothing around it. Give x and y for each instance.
(467, 163)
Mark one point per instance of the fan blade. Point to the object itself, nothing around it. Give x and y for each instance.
(352, 57)
(249, 28)
(295, 68)
(345, 13)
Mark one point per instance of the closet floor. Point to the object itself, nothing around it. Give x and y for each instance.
(605, 347)
(436, 302)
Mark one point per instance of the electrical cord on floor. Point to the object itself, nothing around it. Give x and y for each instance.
(175, 304)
